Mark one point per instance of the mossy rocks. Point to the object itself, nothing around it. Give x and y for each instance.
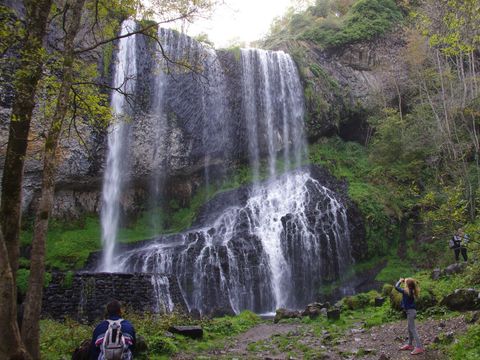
(286, 314)
(462, 300)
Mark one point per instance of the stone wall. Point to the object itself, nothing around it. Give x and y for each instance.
(84, 296)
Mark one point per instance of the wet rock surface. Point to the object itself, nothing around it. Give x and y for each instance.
(223, 262)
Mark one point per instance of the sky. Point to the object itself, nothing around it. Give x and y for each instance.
(240, 21)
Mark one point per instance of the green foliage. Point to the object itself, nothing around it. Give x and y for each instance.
(22, 280)
(235, 50)
(375, 198)
(162, 345)
(68, 280)
(465, 346)
(360, 301)
(11, 30)
(58, 340)
(336, 23)
(394, 270)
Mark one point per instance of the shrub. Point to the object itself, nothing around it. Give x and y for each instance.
(360, 301)
(365, 20)
(387, 289)
(426, 299)
(161, 344)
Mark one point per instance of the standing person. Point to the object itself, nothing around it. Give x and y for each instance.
(105, 342)
(458, 243)
(409, 293)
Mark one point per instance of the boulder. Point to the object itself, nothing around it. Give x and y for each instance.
(379, 301)
(313, 310)
(221, 312)
(82, 352)
(141, 345)
(194, 332)
(462, 300)
(455, 268)
(286, 314)
(436, 274)
(333, 314)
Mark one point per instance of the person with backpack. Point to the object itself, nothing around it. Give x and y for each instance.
(114, 338)
(458, 243)
(409, 294)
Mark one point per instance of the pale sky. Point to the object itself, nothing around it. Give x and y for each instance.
(244, 20)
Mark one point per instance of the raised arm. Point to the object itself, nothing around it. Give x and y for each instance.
(397, 286)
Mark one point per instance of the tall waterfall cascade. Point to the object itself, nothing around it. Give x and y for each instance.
(125, 71)
(267, 245)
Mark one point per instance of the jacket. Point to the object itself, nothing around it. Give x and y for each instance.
(98, 334)
(408, 301)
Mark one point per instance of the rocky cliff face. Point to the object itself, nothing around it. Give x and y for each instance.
(343, 84)
(198, 146)
(82, 147)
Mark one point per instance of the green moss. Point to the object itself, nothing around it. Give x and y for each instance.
(68, 280)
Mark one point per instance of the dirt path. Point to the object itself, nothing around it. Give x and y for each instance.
(387, 339)
(298, 341)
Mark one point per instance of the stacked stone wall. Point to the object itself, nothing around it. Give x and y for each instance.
(83, 296)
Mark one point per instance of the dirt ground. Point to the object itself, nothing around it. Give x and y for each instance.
(270, 341)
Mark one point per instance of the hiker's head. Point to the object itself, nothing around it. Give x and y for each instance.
(411, 286)
(460, 231)
(113, 308)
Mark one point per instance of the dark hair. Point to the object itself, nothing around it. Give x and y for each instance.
(113, 308)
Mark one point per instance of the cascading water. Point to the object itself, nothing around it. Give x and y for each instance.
(125, 71)
(260, 247)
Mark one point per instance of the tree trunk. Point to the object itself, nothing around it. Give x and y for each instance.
(33, 302)
(25, 80)
(10, 345)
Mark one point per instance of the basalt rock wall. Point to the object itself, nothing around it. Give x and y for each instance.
(83, 296)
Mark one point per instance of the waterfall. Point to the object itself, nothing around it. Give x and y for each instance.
(269, 252)
(114, 176)
(267, 245)
(273, 109)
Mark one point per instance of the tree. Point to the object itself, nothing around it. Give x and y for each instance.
(33, 304)
(26, 78)
(102, 31)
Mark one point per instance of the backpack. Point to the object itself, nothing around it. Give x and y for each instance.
(113, 347)
(451, 243)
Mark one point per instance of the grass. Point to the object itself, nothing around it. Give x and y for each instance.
(59, 339)
(466, 347)
(394, 270)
